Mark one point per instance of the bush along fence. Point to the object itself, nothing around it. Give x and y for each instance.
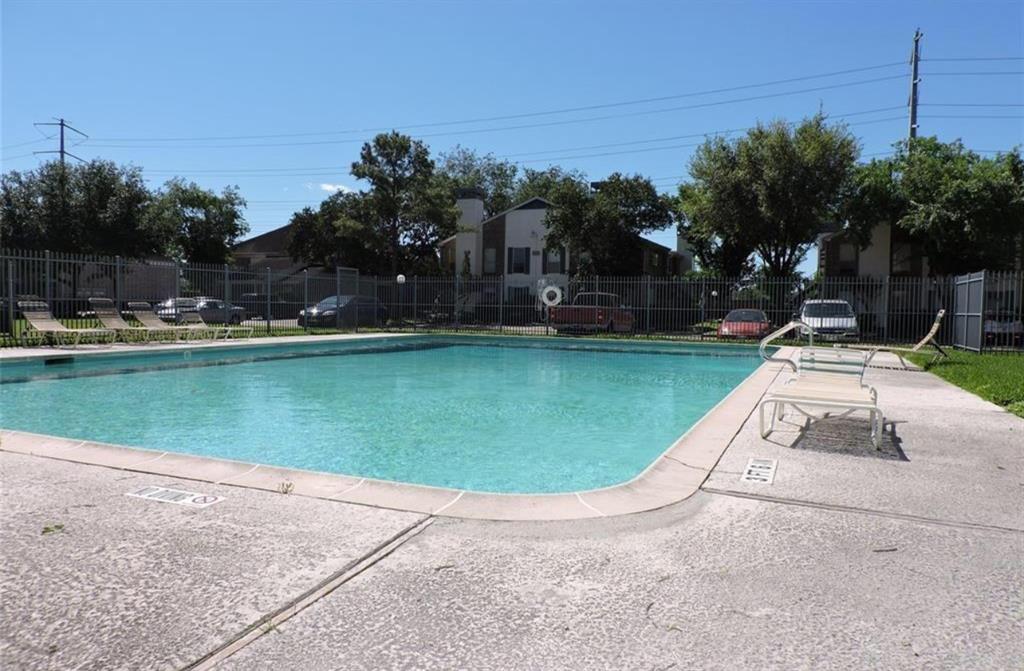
(874, 310)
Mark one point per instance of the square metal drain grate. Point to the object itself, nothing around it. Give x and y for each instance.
(182, 498)
(760, 470)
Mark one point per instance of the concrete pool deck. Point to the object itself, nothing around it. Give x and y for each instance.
(908, 558)
(672, 477)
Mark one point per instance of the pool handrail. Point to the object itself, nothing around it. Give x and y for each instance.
(796, 323)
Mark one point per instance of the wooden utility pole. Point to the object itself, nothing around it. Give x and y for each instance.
(915, 58)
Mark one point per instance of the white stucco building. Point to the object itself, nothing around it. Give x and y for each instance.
(513, 243)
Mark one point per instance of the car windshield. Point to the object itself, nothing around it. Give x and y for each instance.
(333, 301)
(746, 316)
(828, 310)
(181, 303)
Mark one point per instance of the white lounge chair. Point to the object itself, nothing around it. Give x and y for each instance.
(827, 379)
(143, 312)
(43, 327)
(109, 316)
(928, 339)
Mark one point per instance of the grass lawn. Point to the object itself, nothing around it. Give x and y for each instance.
(994, 377)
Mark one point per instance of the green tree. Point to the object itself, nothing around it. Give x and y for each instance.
(773, 190)
(605, 223)
(709, 209)
(545, 183)
(201, 225)
(495, 178)
(409, 207)
(93, 208)
(966, 210)
(336, 234)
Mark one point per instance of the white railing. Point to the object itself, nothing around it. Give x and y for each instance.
(796, 323)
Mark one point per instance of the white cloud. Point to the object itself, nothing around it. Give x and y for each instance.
(331, 188)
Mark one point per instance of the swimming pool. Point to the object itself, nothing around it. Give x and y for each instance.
(505, 415)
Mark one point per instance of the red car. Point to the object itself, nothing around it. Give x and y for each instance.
(744, 324)
(592, 311)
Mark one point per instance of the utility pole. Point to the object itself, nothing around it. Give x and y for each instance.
(63, 152)
(915, 58)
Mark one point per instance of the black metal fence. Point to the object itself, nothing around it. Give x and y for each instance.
(883, 310)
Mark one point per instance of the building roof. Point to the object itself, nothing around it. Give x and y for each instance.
(535, 203)
(274, 241)
(644, 242)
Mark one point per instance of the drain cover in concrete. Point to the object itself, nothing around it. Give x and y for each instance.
(760, 470)
(178, 496)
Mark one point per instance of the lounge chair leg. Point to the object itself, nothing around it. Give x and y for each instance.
(760, 411)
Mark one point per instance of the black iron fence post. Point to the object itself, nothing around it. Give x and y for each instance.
(415, 300)
(49, 279)
(337, 298)
(305, 300)
(177, 289)
(647, 317)
(358, 294)
(118, 282)
(227, 294)
(10, 298)
(268, 301)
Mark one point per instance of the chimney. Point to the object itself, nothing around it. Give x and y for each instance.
(471, 208)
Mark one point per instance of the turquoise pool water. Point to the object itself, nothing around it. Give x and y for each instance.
(487, 415)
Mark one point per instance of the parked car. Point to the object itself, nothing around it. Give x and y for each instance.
(212, 310)
(354, 310)
(830, 319)
(256, 306)
(744, 324)
(1004, 329)
(592, 311)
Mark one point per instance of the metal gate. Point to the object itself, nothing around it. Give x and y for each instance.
(969, 311)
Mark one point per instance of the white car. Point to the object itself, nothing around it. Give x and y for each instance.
(830, 319)
(1003, 328)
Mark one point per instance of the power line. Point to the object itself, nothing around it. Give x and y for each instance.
(562, 122)
(975, 74)
(11, 158)
(550, 151)
(522, 115)
(972, 116)
(533, 160)
(25, 144)
(983, 58)
(650, 149)
(971, 104)
(312, 171)
(726, 131)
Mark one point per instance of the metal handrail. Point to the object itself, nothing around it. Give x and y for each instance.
(796, 323)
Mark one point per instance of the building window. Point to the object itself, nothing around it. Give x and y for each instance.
(847, 258)
(906, 258)
(554, 260)
(519, 260)
(490, 260)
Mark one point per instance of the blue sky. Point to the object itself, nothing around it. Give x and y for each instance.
(138, 76)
